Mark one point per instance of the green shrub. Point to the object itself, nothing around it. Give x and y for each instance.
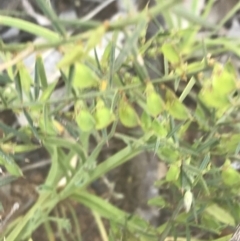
(187, 117)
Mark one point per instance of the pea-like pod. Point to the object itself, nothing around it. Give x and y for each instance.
(173, 172)
(84, 77)
(85, 120)
(160, 129)
(104, 117)
(176, 108)
(230, 176)
(155, 104)
(128, 115)
(171, 53)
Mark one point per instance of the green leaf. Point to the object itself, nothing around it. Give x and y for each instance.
(96, 37)
(212, 98)
(230, 176)
(73, 54)
(107, 210)
(50, 14)
(195, 67)
(183, 129)
(46, 123)
(229, 142)
(85, 120)
(12, 131)
(41, 72)
(168, 153)
(220, 214)
(18, 86)
(223, 81)
(230, 68)
(8, 162)
(187, 89)
(36, 82)
(171, 54)
(46, 94)
(105, 60)
(30, 122)
(216, 90)
(84, 77)
(29, 27)
(173, 172)
(25, 79)
(104, 117)
(175, 107)
(130, 44)
(159, 129)
(5, 79)
(155, 103)
(127, 114)
(157, 201)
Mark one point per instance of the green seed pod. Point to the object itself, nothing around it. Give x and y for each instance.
(103, 117)
(173, 173)
(176, 108)
(84, 77)
(160, 130)
(230, 176)
(154, 104)
(154, 101)
(85, 120)
(127, 115)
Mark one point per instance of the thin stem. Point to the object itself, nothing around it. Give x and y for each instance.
(106, 93)
(56, 41)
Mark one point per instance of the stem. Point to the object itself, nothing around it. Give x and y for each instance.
(54, 39)
(94, 94)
